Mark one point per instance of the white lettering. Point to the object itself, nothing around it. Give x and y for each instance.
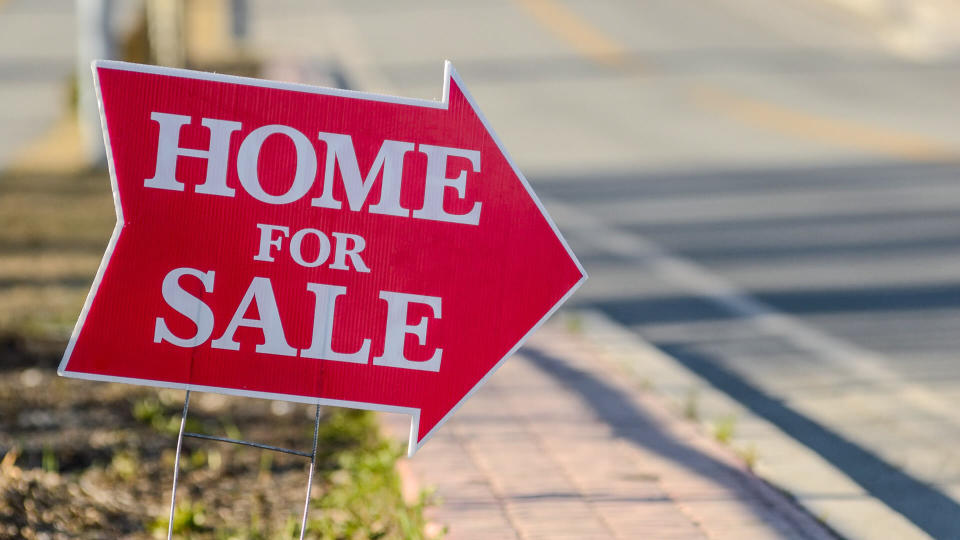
(389, 159)
(342, 252)
(387, 168)
(187, 305)
(168, 149)
(274, 341)
(267, 241)
(437, 184)
(322, 254)
(248, 158)
(321, 344)
(397, 330)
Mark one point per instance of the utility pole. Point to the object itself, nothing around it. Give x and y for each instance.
(165, 30)
(94, 41)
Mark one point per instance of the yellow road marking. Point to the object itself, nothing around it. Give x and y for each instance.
(822, 128)
(593, 44)
(586, 39)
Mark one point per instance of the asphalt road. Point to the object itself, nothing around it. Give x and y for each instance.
(762, 189)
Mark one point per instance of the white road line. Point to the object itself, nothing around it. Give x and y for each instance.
(863, 364)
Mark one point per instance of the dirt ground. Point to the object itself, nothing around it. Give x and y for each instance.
(95, 460)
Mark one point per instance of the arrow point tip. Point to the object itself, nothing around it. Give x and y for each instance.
(450, 78)
(448, 70)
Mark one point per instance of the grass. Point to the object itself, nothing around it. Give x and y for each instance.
(361, 494)
(50, 462)
(189, 519)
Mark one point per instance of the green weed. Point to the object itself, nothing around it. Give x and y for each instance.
(724, 429)
(164, 418)
(124, 465)
(188, 518)
(49, 461)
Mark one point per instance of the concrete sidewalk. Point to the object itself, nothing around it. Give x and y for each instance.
(561, 443)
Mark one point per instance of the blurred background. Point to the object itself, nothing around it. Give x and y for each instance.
(766, 192)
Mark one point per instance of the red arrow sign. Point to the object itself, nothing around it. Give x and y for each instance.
(310, 244)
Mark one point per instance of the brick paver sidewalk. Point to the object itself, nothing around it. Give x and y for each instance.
(561, 444)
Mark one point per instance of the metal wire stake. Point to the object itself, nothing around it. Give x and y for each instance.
(176, 465)
(313, 460)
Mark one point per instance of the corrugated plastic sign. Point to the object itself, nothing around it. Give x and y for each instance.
(310, 244)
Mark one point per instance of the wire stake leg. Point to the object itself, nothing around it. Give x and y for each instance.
(176, 465)
(313, 461)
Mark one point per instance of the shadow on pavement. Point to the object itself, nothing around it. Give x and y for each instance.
(632, 424)
(865, 251)
(919, 502)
